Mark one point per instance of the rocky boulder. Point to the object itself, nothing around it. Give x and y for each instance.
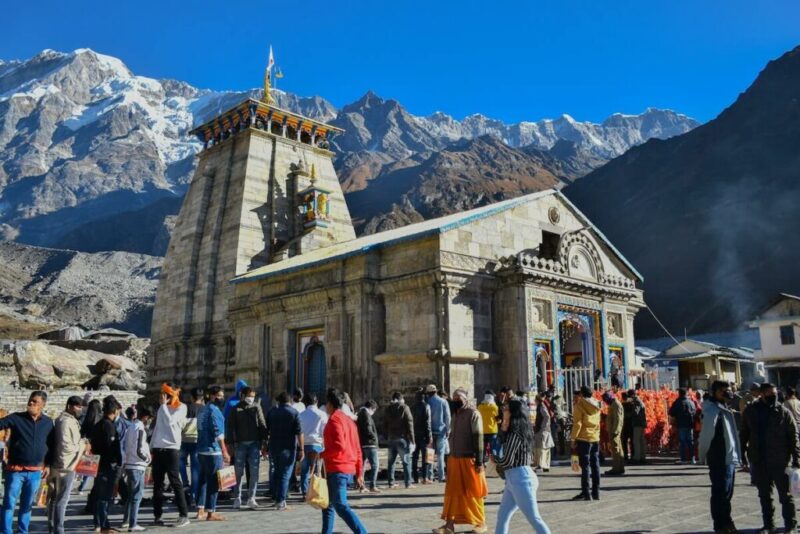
(41, 364)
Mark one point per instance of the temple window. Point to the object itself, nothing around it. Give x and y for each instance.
(305, 137)
(549, 247)
(787, 334)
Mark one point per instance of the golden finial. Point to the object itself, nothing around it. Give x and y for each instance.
(267, 98)
(313, 173)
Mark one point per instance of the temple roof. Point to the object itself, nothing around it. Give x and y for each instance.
(410, 232)
(242, 111)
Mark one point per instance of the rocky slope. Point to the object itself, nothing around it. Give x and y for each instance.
(464, 175)
(711, 217)
(94, 290)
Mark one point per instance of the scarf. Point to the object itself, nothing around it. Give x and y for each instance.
(173, 395)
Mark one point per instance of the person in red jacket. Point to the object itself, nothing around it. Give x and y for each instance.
(342, 457)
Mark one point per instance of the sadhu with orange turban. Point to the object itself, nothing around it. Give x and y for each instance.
(173, 395)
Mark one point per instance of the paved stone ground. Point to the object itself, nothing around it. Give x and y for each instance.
(660, 497)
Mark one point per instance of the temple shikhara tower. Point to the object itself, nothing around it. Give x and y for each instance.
(265, 280)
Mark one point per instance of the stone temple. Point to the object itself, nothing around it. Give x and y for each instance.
(265, 280)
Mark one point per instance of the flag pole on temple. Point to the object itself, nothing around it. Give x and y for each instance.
(267, 98)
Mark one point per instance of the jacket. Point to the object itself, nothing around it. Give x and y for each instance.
(67, 442)
(683, 411)
(769, 436)
(398, 422)
(639, 418)
(489, 412)
(711, 412)
(210, 428)
(586, 421)
(168, 427)
(466, 439)
(233, 400)
(421, 413)
(440, 415)
(793, 405)
(342, 452)
(30, 440)
(615, 418)
(105, 442)
(367, 431)
(189, 431)
(283, 429)
(246, 422)
(137, 450)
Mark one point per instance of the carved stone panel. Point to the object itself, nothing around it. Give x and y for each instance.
(541, 314)
(614, 325)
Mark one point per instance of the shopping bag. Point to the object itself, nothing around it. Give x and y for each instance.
(576, 464)
(430, 455)
(226, 477)
(794, 482)
(148, 476)
(317, 494)
(87, 465)
(41, 494)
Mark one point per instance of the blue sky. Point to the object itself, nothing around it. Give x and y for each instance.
(521, 60)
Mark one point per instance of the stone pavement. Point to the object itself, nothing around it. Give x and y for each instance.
(660, 497)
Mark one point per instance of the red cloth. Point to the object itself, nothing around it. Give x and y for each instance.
(342, 452)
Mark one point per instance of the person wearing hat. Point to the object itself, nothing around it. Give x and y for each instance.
(614, 421)
(466, 487)
(440, 428)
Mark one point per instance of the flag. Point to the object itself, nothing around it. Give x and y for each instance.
(271, 61)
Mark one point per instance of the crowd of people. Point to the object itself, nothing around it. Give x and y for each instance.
(186, 443)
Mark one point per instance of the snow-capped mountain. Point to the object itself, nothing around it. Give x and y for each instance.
(94, 157)
(82, 137)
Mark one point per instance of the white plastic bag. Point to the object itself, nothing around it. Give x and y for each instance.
(794, 481)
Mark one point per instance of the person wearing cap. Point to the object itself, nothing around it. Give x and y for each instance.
(769, 439)
(440, 429)
(68, 449)
(614, 422)
(466, 485)
(30, 449)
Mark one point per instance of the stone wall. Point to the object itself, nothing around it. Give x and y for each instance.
(15, 400)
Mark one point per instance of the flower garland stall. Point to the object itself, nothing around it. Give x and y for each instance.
(659, 433)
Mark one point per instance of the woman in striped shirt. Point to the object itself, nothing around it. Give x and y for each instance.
(516, 438)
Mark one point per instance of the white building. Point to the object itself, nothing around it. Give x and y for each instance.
(779, 328)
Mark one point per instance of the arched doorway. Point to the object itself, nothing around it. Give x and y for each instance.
(316, 368)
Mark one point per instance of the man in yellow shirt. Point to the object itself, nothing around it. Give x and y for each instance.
(489, 412)
(585, 440)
